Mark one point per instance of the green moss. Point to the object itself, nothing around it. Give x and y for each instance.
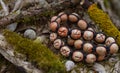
(36, 52)
(104, 22)
(48, 13)
(106, 3)
(27, 20)
(35, 19)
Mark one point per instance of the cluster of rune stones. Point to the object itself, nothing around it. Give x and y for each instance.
(78, 41)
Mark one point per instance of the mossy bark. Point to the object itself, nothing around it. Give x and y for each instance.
(36, 53)
(104, 22)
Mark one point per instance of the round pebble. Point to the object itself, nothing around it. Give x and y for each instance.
(58, 43)
(63, 16)
(73, 17)
(53, 26)
(63, 31)
(113, 48)
(90, 58)
(78, 44)
(88, 47)
(69, 65)
(53, 36)
(55, 18)
(100, 50)
(75, 34)
(100, 38)
(77, 56)
(88, 35)
(82, 24)
(109, 40)
(65, 51)
(70, 41)
(30, 33)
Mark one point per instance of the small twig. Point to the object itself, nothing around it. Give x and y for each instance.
(8, 19)
(18, 5)
(32, 11)
(5, 8)
(101, 2)
(58, 3)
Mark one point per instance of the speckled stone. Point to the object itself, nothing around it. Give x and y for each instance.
(30, 33)
(69, 65)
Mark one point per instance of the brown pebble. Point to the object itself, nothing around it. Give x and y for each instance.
(90, 58)
(53, 36)
(100, 50)
(65, 51)
(113, 48)
(100, 38)
(63, 16)
(77, 56)
(53, 26)
(75, 34)
(73, 17)
(82, 24)
(88, 35)
(58, 43)
(56, 18)
(70, 41)
(88, 47)
(78, 44)
(63, 31)
(109, 40)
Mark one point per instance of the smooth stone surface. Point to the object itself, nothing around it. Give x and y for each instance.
(29, 33)
(69, 65)
(12, 26)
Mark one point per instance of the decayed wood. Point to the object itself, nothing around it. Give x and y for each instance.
(17, 16)
(5, 8)
(8, 52)
(13, 16)
(8, 19)
(36, 10)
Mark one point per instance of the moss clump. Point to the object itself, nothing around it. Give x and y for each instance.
(36, 52)
(48, 13)
(103, 20)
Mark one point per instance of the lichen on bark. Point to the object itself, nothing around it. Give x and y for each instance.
(36, 53)
(104, 22)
